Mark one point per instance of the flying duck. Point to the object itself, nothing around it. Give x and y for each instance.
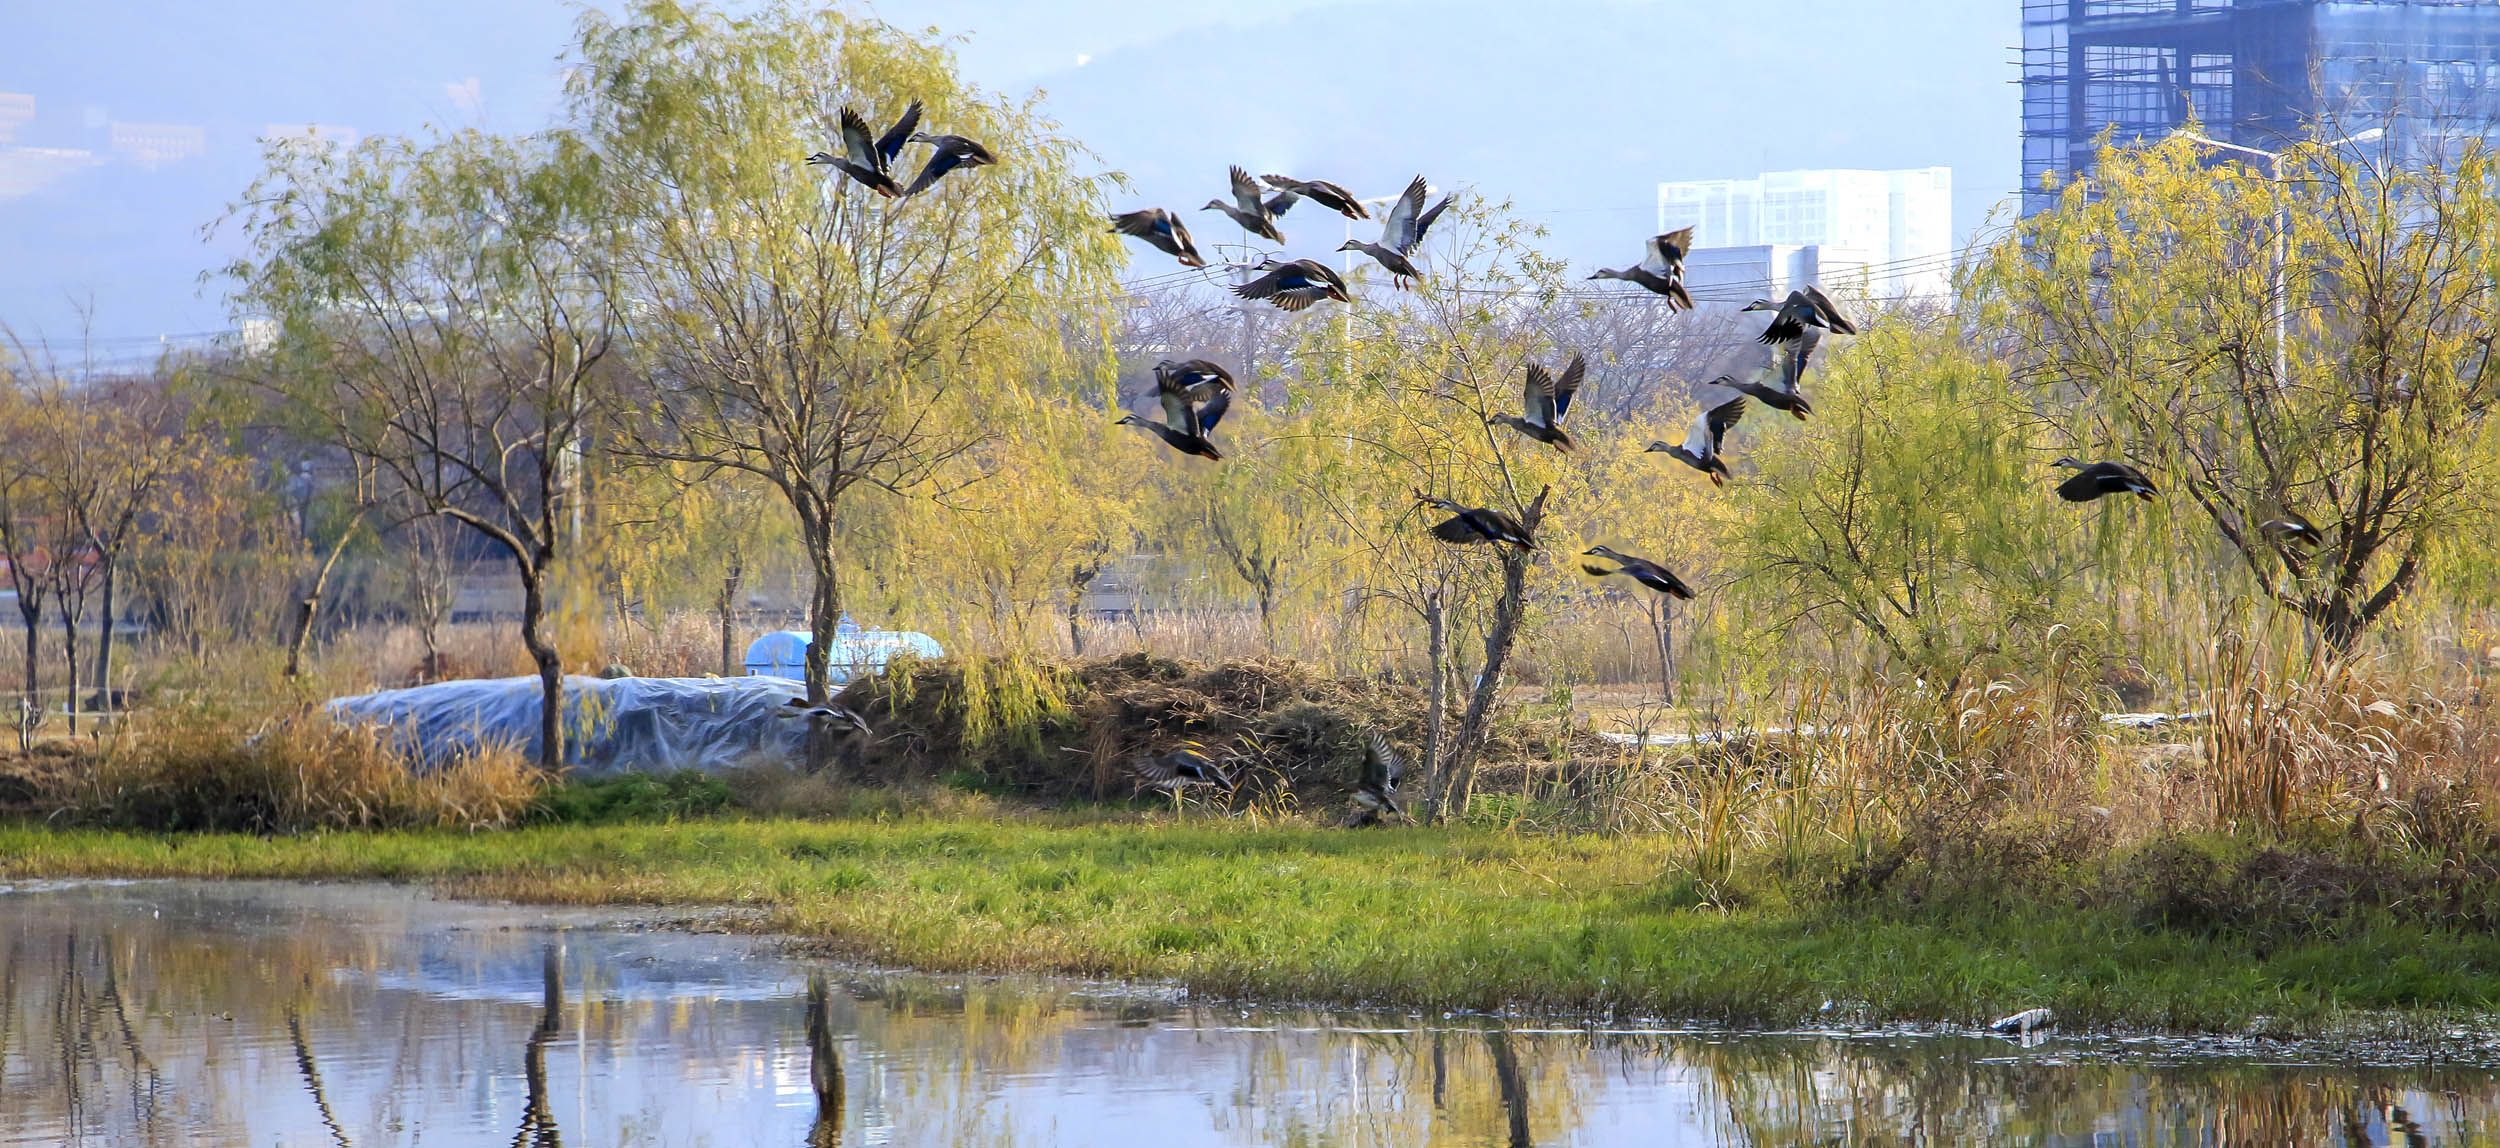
(1295, 285)
(949, 153)
(1375, 793)
(1640, 570)
(870, 159)
(1201, 379)
(1700, 448)
(1661, 268)
(1475, 524)
(1796, 329)
(1319, 191)
(1547, 400)
(1185, 424)
(2102, 478)
(2293, 529)
(1777, 398)
(1180, 769)
(1163, 230)
(1400, 232)
(1246, 209)
(1832, 318)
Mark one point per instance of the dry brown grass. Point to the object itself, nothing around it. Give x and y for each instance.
(195, 768)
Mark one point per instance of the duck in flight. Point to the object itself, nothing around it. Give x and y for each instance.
(1547, 399)
(1186, 423)
(947, 154)
(1375, 792)
(1475, 524)
(1295, 285)
(1201, 379)
(1246, 209)
(1640, 570)
(1161, 230)
(1319, 191)
(869, 159)
(1661, 268)
(1400, 232)
(1701, 446)
(2099, 478)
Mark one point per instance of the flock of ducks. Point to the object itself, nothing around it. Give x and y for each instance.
(1196, 393)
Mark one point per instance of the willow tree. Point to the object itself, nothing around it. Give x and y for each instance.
(2340, 374)
(795, 326)
(1403, 386)
(440, 320)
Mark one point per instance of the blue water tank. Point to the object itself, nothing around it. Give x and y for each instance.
(783, 653)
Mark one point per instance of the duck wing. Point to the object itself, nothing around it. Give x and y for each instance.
(940, 162)
(1177, 413)
(1569, 385)
(1382, 767)
(1666, 252)
(1457, 528)
(1657, 577)
(1423, 223)
(1246, 194)
(1830, 312)
(891, 143)
(1716, 421)
(2083, 487)
(1212, 412)
(1398, 228)
(1202, 378)
(1537, 396)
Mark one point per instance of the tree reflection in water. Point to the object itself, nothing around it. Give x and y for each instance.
(367, 1017)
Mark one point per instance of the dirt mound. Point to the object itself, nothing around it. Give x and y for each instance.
(1070, 730)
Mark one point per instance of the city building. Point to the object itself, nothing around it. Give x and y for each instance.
(1889, 231)
(2258, 73)
(154, 145)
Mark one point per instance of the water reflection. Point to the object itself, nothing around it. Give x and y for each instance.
(360, 1016)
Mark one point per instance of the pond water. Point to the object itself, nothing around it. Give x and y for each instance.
(286, 1014)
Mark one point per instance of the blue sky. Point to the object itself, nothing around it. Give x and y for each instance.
(147, 112)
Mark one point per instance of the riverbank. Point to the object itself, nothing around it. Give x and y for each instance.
(1468, 918)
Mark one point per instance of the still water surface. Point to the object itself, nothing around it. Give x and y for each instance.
(285, 1014)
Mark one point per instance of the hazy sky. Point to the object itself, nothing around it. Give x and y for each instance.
(146, 112)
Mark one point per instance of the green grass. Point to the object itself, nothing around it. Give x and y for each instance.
(1469, 918)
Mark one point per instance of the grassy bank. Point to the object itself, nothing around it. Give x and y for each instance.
(1435, 919)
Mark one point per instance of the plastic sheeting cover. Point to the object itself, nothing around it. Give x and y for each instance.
(612, 726)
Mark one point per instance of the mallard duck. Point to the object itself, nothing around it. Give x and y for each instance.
(1777, 398)
(1201, 379)
(2101, 478)
(1640, 570)
(1295, 285)
(1180, 769)
(1319, 191)
(1700, 448)
(1795, 330)
(1400, 231)
(1475, 524)
(1247, 210)
(1186, 423)
(830, 716)
(1163, 230)
(2293, 529)
(1375, 792)
(1547, 400)
(1832, 318)
(870, 159)
(1661, 268)
(949, 153)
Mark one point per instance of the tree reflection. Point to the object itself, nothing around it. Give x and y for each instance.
(538, 1123)
(824, 1064)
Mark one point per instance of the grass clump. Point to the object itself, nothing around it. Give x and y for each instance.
(633, 797)
(200, 769)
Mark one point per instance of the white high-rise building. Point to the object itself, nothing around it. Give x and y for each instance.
(1892, 230)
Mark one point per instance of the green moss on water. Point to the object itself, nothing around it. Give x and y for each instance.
(1465, 918)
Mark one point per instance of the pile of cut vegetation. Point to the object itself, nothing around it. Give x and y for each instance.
(1075, 729)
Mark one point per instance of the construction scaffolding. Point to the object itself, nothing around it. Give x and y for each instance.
(2260, 73)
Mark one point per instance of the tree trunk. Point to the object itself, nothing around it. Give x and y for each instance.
(1662, 623)
(550, 665)
(30, 713)
(307, 608)
(104, 646)
(1460, 783)
(1436, 705)
(730, 584)
(824, 618)
(69, 648)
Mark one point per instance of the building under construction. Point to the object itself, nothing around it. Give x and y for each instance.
(2260, 73)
